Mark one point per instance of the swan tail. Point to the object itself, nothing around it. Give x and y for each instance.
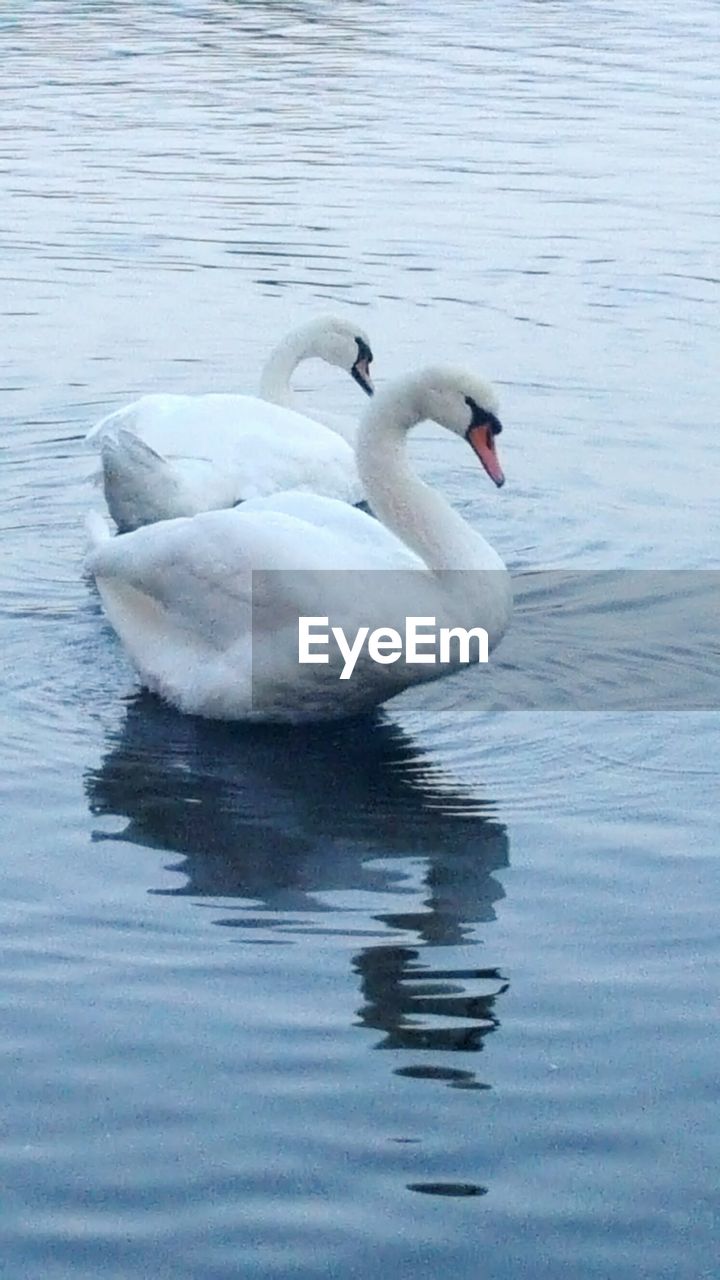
(117, 419)
(141, 487)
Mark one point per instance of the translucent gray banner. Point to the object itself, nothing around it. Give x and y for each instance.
(640, 640)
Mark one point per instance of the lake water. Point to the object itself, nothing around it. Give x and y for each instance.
(434, 995)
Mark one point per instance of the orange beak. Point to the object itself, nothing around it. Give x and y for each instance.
(482, 441)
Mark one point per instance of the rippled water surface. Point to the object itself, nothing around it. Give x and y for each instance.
(434, 995)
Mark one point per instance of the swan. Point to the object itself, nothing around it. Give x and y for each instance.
(208, 608)
(165, 456)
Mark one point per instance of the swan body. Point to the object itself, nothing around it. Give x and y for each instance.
(208, 607)
(165, 456)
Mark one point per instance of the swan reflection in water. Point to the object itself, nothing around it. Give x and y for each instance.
(282, 817)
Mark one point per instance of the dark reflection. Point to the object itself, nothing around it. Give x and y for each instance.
(399, 989)
(278, 816)
(448, 1188)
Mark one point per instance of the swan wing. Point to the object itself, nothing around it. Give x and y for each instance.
(192, 425)
(220, 450)
(185, 564)
(346, 537)
(179, 596)
(191, 604)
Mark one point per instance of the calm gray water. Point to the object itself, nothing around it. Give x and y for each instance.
(434, 995)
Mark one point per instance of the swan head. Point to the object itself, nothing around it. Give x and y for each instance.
(467, 406)
(347, 346)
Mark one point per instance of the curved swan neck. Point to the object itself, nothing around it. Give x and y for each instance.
(301, 344)
(415, 513)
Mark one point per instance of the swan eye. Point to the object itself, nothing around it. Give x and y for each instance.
(482, 417)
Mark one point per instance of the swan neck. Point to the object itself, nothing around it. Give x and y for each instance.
(416, 513)
(282, 362)
(279, 368)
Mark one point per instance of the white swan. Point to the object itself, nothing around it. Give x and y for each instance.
(165, 456)
(208, 608)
